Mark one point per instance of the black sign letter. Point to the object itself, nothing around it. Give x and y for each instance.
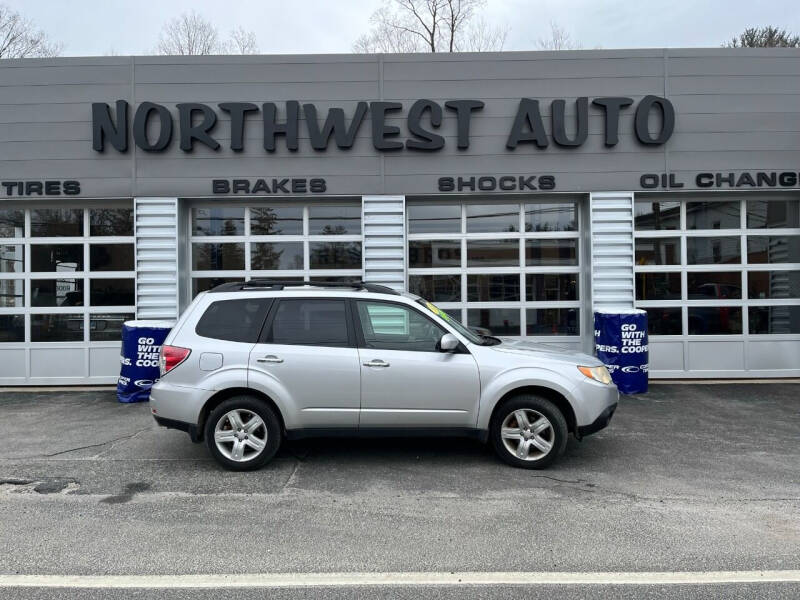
(191, 132)
(558, 108)
(289, 129)
(237, 110)
(612, 107)
(463, 110)
(430, 141)
(140, 127)
(643, 117)
(528, 115)
(102, 126)
(380, 130)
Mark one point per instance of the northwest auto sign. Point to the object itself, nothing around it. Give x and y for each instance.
(196, 123)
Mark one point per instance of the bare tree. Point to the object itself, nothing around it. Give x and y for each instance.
(764, 37)
(242, 41)
(430, 26)
(559, 39)
(19, 38)
(189, 34)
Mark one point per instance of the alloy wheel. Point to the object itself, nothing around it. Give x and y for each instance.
(240, 435)
(527, 434)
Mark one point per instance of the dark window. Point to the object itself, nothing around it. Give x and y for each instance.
(234, 320)
(57, 328)
(436, 288)
(551, 321)
(12, 328)
(486, 218)
(493, 288)
(657, 216)
(334, 255)
(714, 286)
(334, 220)
(107, 327)
(658, 251)
(658, 286)
(12, 223)
(664, 321)
(111, 257)
(310, 322)
(715, 320)
(56, 222)
(773, 249)
(12, 258)
(276, 256)
(774, 319)
(56, 257)
(12, 293)
(551, 252)
(218, 220)
(716, 250)
(434, 218)
(276, 220)
(555, 287)
(495, 253)
(434, 253)
(713, 215)
(389, 326)
(499, 321)
(203, 284)
(111, 292)
(111, 221)
(773, 214)
(773, 284)
(217, 257)
(551, 217)
(57, 292)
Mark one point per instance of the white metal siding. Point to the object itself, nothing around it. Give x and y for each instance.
(156, 232)
(611, 219)
(384, 240)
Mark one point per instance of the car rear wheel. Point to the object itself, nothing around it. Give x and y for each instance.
(243, 433)
(528, 431)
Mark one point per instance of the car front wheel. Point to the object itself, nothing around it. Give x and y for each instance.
(528, 431)
(243, 433)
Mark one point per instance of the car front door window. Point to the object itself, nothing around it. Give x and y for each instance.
(394, 327)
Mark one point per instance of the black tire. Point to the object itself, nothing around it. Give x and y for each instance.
(556, 435)
(271, 425)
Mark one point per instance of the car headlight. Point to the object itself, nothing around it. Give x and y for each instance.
(600, 373)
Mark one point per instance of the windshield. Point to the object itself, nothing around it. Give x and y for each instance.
(454, 323)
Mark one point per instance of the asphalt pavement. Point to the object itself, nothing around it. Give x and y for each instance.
(688, 478)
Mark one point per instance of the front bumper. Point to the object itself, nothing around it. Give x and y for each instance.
(599, 423)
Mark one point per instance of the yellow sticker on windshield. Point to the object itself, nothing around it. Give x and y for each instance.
(437, 311)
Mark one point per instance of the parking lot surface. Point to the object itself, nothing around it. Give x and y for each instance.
(688, 478)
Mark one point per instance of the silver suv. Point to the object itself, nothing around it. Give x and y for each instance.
(251, 363)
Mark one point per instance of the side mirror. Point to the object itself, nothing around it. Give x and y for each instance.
(448, 343)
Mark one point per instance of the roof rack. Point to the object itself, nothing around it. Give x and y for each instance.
(278, 285)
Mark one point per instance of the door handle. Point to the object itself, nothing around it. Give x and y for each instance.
(270, 358)
(377, 362)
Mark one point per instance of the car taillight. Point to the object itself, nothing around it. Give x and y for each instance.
(171, 357)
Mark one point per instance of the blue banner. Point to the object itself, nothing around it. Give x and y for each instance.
(621, 343)
(141, 346)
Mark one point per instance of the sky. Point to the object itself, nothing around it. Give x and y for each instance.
(101, 27)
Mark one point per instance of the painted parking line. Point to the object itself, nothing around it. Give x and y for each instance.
(281, 580)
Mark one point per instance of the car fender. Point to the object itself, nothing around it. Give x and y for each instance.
(270, 386)
(519, 377)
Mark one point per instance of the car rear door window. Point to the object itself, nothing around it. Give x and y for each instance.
(310, 322)
(234, 320)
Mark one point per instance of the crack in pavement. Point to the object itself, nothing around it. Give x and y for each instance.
(113, 441)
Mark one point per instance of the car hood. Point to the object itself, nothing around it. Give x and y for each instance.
(527, 349)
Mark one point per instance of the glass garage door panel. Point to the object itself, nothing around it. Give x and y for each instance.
(283, 241)
(505, 268)
(726, 266)
(66, 273)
